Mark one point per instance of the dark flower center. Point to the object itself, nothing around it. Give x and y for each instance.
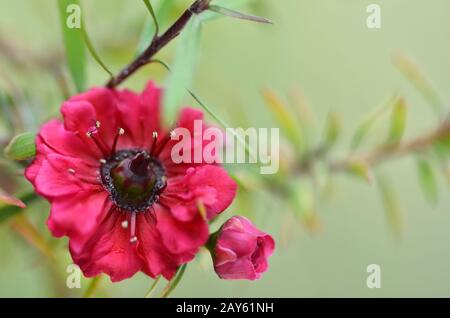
(133, 179)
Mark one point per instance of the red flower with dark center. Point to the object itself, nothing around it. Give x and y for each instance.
(114, 190)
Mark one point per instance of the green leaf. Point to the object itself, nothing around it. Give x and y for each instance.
(174, 282)
(6, 106)
(8, 199)
(21, 147)
(94, 285)
(414, 74)
(361, 169)
(427, 181)
(153, 287)
(92, 50)
(368, 122)
(162, 14)
(71, 25)
(302, 198)
(394, 211)
(332, 130)
(238, 15)
(8, 211)
(285, 118)
(232, 4)
(150, 9)
(250, 151)
(398, 120)
(182, 69)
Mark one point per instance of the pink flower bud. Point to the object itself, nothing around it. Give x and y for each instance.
(241, 250)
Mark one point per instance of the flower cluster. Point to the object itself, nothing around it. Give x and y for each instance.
(124, 204)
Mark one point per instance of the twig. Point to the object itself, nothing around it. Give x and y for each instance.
(389, 151)
(159, 42)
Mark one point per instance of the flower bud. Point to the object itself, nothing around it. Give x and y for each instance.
(240, 250)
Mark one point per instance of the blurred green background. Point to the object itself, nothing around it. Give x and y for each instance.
(324, 49)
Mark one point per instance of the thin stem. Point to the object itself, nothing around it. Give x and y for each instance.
(93, 286)
(153, 287)
(159, 42)
(174, 282)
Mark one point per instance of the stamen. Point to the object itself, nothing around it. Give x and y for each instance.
(164, 142)
(120, 132)
(124, 224)
(71, 171)
(133, 237)
(97, 142)
(155, 140)
(102, 161)
(97, 124)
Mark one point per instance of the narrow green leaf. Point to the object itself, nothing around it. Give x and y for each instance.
(7, 116)
(285, 118)
(94, 285)
(398, 120)
(92, 50)
(414, 74)
(238, 15)
(162, 14)
(232, 4)
(361, 169)
(302, 199)
(250, 151)
(365, 126)
(21, 147)
(8, 211)
(8, 199)
(174, 282)
(394, 211)
(427, 181)
(182, 69)
(71, 24)
(150, 9)
(153, 287)
(332, 130)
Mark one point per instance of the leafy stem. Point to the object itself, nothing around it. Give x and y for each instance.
(397, 149)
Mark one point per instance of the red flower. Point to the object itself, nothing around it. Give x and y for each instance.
(114, 190)
(241, 250)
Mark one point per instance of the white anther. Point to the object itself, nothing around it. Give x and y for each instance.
(155, 134)
(133, 239)
(172, 134)
(97, 124)
(89, 134)
(102, 161)
(121, 131)
(70, 170)
(124, 224)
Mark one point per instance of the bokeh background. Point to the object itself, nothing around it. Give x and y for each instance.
(319, 47)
